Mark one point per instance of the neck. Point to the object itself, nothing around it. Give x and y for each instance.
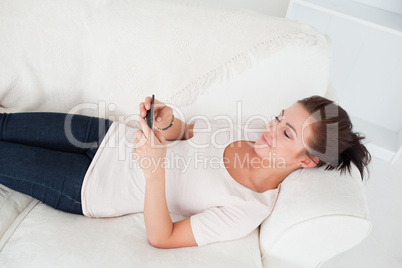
(266, 173)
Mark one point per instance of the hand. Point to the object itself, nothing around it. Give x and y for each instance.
(150, 148)
(161, 111)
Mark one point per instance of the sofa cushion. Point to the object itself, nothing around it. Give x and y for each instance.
(318, 214)
(106, 56)
(14, 207)
(50, 238)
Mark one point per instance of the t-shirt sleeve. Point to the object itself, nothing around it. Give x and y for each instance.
(226, 223)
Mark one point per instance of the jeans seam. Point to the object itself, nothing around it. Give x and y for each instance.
(47, 187)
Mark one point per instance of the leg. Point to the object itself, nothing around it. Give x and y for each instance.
(56, 131)
(53, 177)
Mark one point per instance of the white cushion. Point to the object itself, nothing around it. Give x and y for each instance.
(14, 207)
(109, 55)
(50, 238)
(318, 214)
(273, 84)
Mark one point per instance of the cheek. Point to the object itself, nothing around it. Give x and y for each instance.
(280, 140)
(291, 151)
(285, 146)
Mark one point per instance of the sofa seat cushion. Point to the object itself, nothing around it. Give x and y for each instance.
(50, 238)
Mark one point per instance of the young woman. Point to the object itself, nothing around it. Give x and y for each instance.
(226, 185)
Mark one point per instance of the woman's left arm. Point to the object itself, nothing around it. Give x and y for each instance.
(161, 231)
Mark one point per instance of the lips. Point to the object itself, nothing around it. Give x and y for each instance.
(263, 138)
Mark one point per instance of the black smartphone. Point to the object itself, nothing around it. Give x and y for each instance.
(150, 114)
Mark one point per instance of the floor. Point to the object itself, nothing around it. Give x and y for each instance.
(383, 247)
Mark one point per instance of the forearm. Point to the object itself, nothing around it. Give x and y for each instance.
(179, 131)
(158, 223)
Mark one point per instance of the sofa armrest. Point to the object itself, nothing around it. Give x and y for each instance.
(312, 242)
(318, 215)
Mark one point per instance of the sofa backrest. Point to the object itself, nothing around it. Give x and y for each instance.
(102, 58)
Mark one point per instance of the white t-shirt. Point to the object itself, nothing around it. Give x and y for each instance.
(197, 182)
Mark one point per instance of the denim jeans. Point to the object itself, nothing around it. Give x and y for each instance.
(46, 155)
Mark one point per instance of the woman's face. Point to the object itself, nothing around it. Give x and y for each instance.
(284, 138)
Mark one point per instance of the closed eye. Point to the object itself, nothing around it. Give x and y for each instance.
(277, 119)
(284, 132)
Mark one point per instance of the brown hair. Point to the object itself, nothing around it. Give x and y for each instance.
(334, 142)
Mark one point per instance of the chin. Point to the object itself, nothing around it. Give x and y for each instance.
(261, 148)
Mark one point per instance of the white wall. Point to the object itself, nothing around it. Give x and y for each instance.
(270, 7)
(394, 6)
(366, 65)
(278, 7)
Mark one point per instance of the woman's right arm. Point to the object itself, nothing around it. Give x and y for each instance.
(178, 131)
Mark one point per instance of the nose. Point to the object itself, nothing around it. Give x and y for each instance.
(271, 128)
(271, 124)
(268, 127)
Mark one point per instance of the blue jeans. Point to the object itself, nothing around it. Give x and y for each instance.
(46, 155)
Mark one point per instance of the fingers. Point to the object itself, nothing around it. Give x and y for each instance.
(148, 102)
(161, 110)
(160, 137)
(146, 105)
(164, 114)
(147, 134)
(140, 139)
(143, 111)
(145, 128)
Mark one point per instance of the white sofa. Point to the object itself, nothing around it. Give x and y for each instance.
(76, 56)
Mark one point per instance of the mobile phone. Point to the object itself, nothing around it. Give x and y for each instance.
(150, 114)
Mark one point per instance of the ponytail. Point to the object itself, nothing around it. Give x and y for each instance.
(343, 150)
(357, 154)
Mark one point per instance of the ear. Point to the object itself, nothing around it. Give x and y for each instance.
(308, 162)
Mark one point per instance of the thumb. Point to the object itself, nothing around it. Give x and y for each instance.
(162, 114)
(160, 137)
